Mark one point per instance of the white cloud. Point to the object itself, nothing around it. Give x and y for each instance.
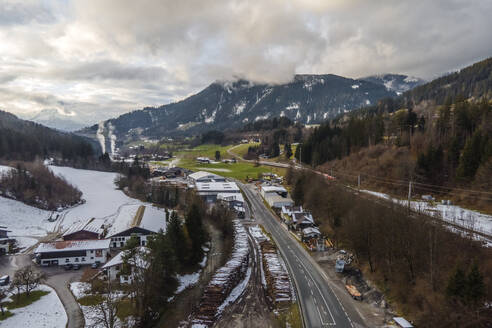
(98, 58)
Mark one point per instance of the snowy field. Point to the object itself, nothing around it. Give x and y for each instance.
(102, 202)
(466, 218)
(47, 312)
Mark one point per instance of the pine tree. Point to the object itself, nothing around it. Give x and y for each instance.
(177, 238)
(475, 287)
(457, 284)
(288, 151)
(196, 232)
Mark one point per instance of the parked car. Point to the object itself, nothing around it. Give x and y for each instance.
(95, 265)
(4, 280)
(68, 266)
(76, 266)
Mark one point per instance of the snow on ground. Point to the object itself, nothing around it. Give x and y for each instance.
(25, 222)
(214, 169)
(236, 292)
(102, 202)
(79, 289)
(47, 312)
(5, 169)
(452, 213)
(187, 280)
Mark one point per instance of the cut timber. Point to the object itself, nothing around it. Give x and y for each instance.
(278, 286)
(138, 216)
(224, 280)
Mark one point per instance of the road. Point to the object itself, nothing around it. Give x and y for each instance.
(319, 304)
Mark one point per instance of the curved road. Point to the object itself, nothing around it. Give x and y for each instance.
(319, 304)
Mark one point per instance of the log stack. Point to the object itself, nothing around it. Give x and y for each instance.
(225, 279)
(278, 286)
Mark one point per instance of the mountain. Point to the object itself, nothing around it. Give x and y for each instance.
(26, 140)
(308, 99)
(395, 82)
(54, 119)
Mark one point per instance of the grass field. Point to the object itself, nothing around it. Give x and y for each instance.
(206, 150)
(25, 300)
(242, 149)
(239, 170)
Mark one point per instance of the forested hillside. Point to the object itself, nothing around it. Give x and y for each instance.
(24, 140)
(444, 138)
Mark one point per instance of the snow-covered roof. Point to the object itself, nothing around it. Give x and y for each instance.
(402, 322)
(72, 245)
(300, 217)
(139, 261)
(84, 226)
(203, 174)
(268, 189)
(292, 209)
(311, 230)
(231, 196)
(219, 187)
(274, 198)
(144, 216)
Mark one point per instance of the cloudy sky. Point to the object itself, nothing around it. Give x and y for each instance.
(92, 60)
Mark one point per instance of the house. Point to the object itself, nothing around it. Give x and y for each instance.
(72, 252)
(287, 211)
(203, 176)
(116, 269)
(138, 221)
(5, 241)
(310, 233)
(301, 221)
(209, 190)
(84, 230)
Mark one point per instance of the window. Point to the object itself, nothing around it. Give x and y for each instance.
(83, 259)
(92, 257)
(143, 242)
(76, 259)
(92, 251)
(67, 260)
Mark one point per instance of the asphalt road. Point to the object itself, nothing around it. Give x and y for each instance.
(319, 304)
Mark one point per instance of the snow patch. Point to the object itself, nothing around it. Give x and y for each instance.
(239, 107)
(100, 136)
(355, 86)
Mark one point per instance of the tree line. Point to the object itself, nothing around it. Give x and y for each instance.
(436, 277)
(36, 185)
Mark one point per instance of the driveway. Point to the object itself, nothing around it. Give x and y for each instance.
(57, 278)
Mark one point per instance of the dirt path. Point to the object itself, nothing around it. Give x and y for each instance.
(189, 299)
(251, 309)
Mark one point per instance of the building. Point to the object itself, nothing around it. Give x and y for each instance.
(310, 233)
(209, 190)
(233, 201)
(72, 252)
(402, 322)
(84, 230)
(138, 221)
(203, 176)
(301, 221)
(277, 201)
(115, 269)
(268, 189)
(5, 241)
(287, 211)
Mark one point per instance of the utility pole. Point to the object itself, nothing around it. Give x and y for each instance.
(358, 182)
(409, 192)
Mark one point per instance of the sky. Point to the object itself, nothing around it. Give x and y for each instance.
(90, 60)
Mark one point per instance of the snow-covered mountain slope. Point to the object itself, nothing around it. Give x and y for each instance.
(307, 99)
(395, 82)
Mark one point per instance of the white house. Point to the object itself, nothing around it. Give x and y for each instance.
(287, 211)
(115, 269)
(5, 240)
(72, 252)
(277, 201)
(138, 221)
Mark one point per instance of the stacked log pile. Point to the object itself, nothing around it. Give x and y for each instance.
(225, 279)
(278, 286)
